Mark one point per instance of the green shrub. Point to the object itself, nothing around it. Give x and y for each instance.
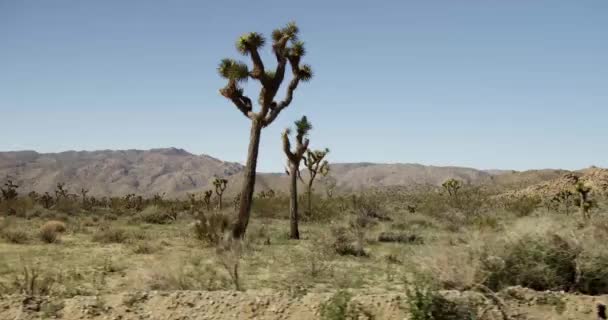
(336, 308)
(536, 262)
(426, 303)
(593, 277)
(156, 215)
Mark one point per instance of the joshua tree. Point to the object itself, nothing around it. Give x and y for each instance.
(294, 158)
(9, 192)
(83, 194)
(220, 187)
(60, 191)
(584, 202)
(287, 49)
(207, 199)
(47, 200)
(316, 165)
(452, 186)
(563, 198)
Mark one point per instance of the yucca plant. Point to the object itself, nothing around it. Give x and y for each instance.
(288, 50)
(303, 126)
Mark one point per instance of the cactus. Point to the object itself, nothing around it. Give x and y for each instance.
(294, 158)
(316, 165)
(452, 186)
(220, 187)
(585, 204)
(288, 50)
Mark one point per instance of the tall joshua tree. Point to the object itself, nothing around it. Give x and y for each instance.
(294, 158)
(220, 187)
(316, 165)
(287, 49)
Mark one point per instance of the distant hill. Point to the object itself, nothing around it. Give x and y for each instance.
(176, 172)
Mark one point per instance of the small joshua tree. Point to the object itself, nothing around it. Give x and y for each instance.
(207, 199)
(294, 158)
(9, 192)
(316, 165)
(47, 200)
(287, 49)
(452, 186)
(83, 194)
(60, 191)
(585, 204)
(563, 198)
(220, 186)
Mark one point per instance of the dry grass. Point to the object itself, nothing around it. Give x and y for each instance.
(101, 255)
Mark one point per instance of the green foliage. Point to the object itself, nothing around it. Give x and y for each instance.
(426, 303)
(249, 41)
(336, 308)
(305, 73)
(233, 70)
(15, 236)
(538, 262)
(303, 126)
(156, 215)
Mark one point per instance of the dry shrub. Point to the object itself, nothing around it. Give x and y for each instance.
(49, 232)
(111, 235)
(211, 227)
(157, 215)
(192, 274)
(400, 237)
(15, 236)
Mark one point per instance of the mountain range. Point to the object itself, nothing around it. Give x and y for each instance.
(175, 172)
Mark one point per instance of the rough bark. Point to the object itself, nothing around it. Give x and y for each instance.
(293, 203)
(249, 181)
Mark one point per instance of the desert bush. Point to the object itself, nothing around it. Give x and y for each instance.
(144, 248)
(276, 207)
(400, 237)
(111, 235)
(50, 231)
(426, 303)
(188, 275)
(230, 253)
(593, 272)
(336, 308)
(522, 206)
(211, 227)
(344, 243)
(156, 215)
(67, 205)
(537, 262)
(15, 236)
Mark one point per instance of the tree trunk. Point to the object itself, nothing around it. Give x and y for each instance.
(293, 203)
(220, 203)
(248, 181)
(309, 194)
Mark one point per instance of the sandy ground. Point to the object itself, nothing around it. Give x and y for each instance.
(191, 305)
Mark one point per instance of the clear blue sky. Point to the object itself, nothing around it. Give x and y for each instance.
(487, 84)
